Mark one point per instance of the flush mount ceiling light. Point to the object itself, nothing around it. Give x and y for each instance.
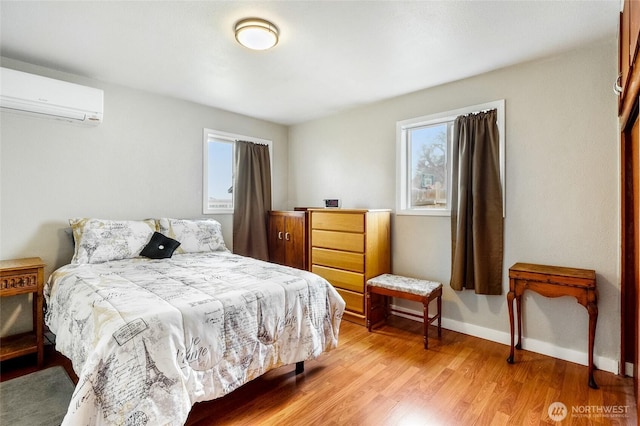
(256, 34)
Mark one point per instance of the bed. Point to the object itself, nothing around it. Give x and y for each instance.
(150, 336)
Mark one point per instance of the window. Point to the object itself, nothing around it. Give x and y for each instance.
(423, 167)
(219, 170)
(428, 151)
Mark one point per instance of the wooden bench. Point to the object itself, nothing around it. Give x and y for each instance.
(405, 288)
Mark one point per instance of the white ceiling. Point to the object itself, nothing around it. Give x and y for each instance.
(332, 55)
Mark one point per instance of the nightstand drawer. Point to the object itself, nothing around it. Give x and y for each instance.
(16, 283)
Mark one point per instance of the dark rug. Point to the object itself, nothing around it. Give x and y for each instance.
(39, 398)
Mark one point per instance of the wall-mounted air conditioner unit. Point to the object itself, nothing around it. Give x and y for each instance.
(25, 93)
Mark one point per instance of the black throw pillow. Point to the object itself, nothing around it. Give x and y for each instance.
(160, 247)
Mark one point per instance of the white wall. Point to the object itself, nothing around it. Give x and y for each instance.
(561, 180)
(143, 161)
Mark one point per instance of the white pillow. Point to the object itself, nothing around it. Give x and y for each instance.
(100, 240)
(195, 235)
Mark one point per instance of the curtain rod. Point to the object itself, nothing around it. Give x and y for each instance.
(255, 143)
(474, 113)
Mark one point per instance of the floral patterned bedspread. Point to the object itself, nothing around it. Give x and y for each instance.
(149, 338)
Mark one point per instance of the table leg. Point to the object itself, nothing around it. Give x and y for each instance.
(510, 297)
(368, 319)
(39, 327)
(439, 303)
(425, 312)
(592, 308)
(519, 314)
(387, 306)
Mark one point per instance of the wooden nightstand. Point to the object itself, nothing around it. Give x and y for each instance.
(23, 276)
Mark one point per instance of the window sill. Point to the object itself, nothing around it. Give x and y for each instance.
(445, 213)
(218, 212)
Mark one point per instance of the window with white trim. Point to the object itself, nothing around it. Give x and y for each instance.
(423, 150)
(219, 169)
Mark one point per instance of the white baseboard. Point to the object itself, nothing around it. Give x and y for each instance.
(628, 369)
(533, 345)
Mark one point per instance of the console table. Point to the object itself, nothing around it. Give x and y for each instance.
(553, 281)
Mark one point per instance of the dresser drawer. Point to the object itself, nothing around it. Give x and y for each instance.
(338, 259)
(338, 240)
(335, 221)
(342, 279)
(354, 301)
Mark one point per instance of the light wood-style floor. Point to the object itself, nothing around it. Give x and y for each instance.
(387, 378)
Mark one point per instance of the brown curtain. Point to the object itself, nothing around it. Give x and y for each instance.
(476, 205)
(252, 200)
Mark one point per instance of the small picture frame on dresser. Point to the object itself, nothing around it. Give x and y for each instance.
(331, 203)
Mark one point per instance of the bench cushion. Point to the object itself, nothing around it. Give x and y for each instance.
(406, 284)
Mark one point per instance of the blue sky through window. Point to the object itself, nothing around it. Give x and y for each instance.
(220, 177)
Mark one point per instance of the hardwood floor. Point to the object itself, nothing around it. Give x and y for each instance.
(387, 378)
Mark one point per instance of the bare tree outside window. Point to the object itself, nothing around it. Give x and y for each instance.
(429, 147)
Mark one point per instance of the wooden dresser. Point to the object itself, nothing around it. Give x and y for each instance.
(348, 247)
(24, 276)
(288, 238)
